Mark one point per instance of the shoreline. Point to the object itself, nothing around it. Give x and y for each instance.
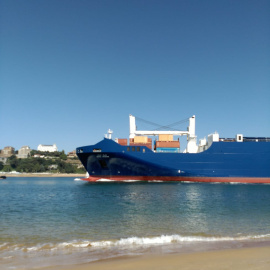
(245, 258)
(43, 175)
(249, 251)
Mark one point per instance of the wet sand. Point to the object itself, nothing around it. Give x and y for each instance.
(255, 258)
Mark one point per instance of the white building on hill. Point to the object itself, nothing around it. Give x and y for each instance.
(24, 152)
(47, 148)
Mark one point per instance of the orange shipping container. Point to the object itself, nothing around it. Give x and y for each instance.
(122, 141)
(172, 144)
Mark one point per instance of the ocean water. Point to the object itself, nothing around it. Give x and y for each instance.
(58, 221)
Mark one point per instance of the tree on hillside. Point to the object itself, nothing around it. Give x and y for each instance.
(63, 156)
(7, 168)
(13, 161)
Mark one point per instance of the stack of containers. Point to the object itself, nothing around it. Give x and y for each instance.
(166, 144)
(141, 141)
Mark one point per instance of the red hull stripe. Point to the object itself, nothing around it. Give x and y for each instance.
(252, 180)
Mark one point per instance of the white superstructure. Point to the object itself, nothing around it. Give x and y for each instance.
(190, 133)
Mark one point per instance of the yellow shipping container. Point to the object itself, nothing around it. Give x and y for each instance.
(140, 139)
(165, 137)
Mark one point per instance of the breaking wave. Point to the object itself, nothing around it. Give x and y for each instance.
(130, 242)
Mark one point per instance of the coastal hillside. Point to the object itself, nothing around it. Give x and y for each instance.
(38, 162)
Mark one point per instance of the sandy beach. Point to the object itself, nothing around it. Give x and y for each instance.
(240, 259)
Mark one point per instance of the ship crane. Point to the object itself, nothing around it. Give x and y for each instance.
(190, 133)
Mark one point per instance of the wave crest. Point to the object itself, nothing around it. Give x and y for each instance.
(129, 242)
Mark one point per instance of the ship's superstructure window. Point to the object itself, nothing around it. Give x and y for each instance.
(133, 148)
(128, 148)
(138, 149)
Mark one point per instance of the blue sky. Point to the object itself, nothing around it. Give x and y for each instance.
(69, 70)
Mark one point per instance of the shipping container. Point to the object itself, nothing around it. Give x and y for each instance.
(149, 140)
(165, 137)
(140, 139)
(148, 143)
(172, 144)
(122, 141)
(168, 150)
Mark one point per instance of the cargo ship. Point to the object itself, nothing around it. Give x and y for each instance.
(156, 156)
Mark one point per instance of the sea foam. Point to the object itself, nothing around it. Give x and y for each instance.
(131, 242)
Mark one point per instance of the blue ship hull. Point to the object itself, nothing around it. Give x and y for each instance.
(247, 162)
